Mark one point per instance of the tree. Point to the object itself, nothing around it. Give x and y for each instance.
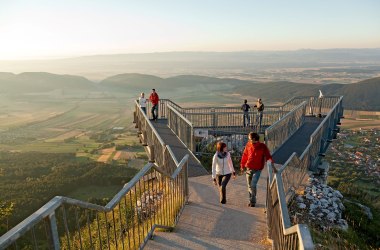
(6, 209)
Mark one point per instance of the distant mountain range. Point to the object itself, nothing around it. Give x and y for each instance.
(363, 95)
(164, 64)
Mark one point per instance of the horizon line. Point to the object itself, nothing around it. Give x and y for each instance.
(47, 58)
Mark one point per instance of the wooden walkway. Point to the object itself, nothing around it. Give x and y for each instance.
(297, 142)
(179, 149)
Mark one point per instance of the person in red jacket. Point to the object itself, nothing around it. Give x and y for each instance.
(153, 98)
(255, 155)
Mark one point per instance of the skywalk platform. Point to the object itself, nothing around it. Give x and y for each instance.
(298, 141)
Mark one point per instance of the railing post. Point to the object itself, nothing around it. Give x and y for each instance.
(213, 118)
(192, 140)
(52, 231)
(186, 172)
(151, 154)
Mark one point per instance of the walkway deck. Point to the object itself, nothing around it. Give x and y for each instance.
(207, 224)
(297, 142)
(179, 149)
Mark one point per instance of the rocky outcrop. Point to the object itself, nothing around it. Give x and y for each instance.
(319, 205)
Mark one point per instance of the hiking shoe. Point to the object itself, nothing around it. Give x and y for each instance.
(251, 204)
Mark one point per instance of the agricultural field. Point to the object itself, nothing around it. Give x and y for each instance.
(85, 148)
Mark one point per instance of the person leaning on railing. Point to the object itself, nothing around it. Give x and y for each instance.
(222, 168)
(254, 157)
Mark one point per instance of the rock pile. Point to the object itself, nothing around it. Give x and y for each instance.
(148, 204)
(323, 206)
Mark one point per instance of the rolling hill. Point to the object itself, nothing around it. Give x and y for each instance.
(39, 82)
(363, 95)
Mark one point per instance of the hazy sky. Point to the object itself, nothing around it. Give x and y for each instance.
(65, 28)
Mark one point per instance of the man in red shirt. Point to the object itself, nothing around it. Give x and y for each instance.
(255, 155)
(153, 98)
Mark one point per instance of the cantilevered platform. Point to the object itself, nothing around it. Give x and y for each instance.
(298, 141)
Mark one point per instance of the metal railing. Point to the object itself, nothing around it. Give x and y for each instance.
(181, 126)
(154, 198)
(232, 121)
(224, 109)
(283, 234)
(314, 106)
(282, 184)
(162, 108)
(283, 129)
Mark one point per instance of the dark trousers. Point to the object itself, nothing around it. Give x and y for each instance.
(154, 112)
(222, 181)
(246, 119)
(144, 109)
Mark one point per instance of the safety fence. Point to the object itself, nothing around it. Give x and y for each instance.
(296, 167)
(283, 234)
(282, 183)
(233, 121)
(181, 126)
(314, 105)
(283, 129)
(154, 198)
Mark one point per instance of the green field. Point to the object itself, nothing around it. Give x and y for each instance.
(49, 139)
(98, 192)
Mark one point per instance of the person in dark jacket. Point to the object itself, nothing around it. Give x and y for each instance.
(260, 110)
(222, 168)
(246, 119)
(255, 155)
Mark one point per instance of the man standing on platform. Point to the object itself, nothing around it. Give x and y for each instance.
(260, 110)
(246, 119)
(153, 98)
(255, 155)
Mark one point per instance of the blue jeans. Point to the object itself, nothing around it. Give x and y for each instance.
(253, 177)
(246, 119)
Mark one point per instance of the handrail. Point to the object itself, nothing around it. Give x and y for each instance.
(141, 184)
(150, 123)
(181, 127)
(290, 236)
(12, 235)
(329, 114)
(283, 129)
(180, 115)
(279, 184)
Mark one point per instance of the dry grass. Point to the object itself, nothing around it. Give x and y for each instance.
(356, 124)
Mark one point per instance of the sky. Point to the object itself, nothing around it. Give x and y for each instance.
(38, 29)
